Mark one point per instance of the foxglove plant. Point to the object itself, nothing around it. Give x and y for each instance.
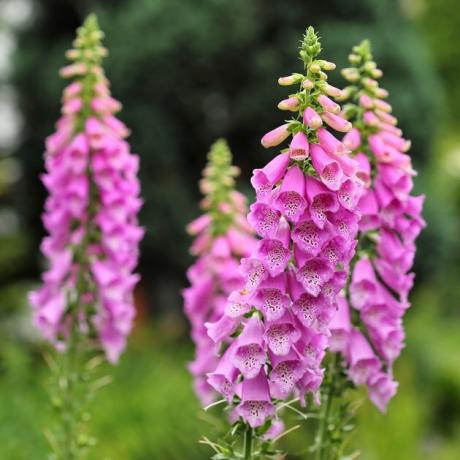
(391, 221)
(222, 238)
(367, 331)
(85, 303)
(275, 330)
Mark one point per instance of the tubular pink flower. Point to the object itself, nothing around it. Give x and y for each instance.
(364, 364)
(290, 200)
(299, 147)
(340, 327)
(382, 388)
(331, 144)
(329, 170)
(352, 140)
(90, 213)
(264, 179)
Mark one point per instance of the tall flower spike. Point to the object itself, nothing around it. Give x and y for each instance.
(305, 216)
(86, 298)
(91, 211)
(391, 221)
(222, 237)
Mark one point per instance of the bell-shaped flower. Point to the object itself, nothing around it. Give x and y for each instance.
(256, 405)
(290, 200)
(249, 354)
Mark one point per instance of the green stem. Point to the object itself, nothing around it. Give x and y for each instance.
(322, 451)
(248, 443)
(69, 414)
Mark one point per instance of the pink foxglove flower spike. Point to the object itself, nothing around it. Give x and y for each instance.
(222, 237)
(367, 331)
(305, 216)
(85, 304)
(391, 221)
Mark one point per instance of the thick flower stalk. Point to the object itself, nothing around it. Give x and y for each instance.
(371, 335)
(222, 238)
(86, 299)
(274, 332)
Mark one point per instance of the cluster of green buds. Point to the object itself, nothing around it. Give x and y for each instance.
(312, 102)
(221, 200)
(366, 108)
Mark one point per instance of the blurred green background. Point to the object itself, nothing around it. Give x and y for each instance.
(187, 72)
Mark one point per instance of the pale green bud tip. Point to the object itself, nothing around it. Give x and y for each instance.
(91, 24)
(88, 43)
(354, 59)
(363, 50)
(310, 45)
(290, 80)
(219, 154)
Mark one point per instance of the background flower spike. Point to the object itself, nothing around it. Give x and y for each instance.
(85, 305)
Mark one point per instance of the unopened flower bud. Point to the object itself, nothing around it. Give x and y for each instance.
(370, 119)
(350, 74)
(336, 122)
(352, 140)
(382, 105)
(73, 70)
(315, 67)
(354, 58)
(386, 117)
(290, 80)
(72, 54)
(307, 84)
(369, 66)
(332, 91)
(370, 83)
(326, 65)
(366, 101)
(328, 104)
(291, 104)
(311, 118)
(381, 93)
(276, 136)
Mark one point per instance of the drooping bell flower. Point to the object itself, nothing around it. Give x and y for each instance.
(221, 239)
(91, 211)
(278, 322)
(381, 279)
